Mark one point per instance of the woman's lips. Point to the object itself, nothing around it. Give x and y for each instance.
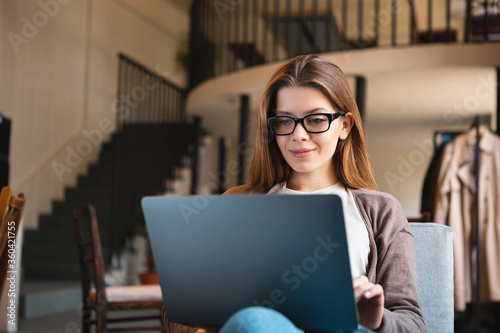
(301, 153)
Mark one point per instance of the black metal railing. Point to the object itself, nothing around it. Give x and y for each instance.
(228, 35)
(153, 138)
(144, 96)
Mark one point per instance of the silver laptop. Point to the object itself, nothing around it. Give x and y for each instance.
(218, 254)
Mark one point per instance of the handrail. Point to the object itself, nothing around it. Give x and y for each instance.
(144, 96)
(230, 35)
(150, 112)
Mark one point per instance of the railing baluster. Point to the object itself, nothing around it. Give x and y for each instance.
(237, 21)
(329, 26)
(119, 102)
(377, 23)
(246, 42)
(224, 44)
(276, 24)
(146, 98)
(301, 21)
(228, 18)
(206, 40)
(211, 38)
(265, 28)
(288, 28)
(360, 22)
(467, 20)
(448, 21)
(393, 22)
(135, 105)
(236, 38)
(344, 20)
(486, 27)
(255, 15)
(315, 27)
(412, 22)
(430, 33)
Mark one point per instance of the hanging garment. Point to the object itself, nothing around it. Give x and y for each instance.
(430, 181)
(455, 207)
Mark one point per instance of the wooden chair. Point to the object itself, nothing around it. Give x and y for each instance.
(101, 299)
(11, 213)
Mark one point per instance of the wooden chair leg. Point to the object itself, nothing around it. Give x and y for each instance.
(86, 319)
(101, 321)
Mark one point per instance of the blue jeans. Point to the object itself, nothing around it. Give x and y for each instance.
(259, 320)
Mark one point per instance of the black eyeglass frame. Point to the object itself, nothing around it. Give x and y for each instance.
(331, 117)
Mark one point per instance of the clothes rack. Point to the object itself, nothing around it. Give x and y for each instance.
(478, 240)
(444, 137)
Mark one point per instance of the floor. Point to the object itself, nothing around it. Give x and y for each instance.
(70, 322)
(66, 322)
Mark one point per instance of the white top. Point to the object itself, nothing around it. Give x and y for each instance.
(358, 242)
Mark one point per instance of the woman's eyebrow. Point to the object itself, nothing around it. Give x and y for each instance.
(287, 113)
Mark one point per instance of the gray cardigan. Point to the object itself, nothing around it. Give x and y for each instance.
(391, 259)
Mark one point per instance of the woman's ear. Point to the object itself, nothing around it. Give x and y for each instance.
(347, 123)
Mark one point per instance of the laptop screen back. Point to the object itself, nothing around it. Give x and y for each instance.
(218, 254)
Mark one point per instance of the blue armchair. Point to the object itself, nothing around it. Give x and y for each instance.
(433, 245)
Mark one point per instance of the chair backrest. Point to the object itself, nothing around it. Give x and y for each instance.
(433, 245)
(11, 213)
(89, 252)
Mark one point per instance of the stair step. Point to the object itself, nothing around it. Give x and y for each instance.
(43, 298)
(64, 220)
(65, 207)
(95, 180)
(101, 169)
(67, 254)
(37, 253)
(96, 194)
(49, 270)
(107, 158)
(58, 237)
(56, 221)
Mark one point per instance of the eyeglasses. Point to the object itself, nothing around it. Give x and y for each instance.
(313, 123)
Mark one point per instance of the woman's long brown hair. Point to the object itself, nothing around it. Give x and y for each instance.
(351, 163)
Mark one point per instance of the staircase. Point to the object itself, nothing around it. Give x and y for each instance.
(150, 157)
(50, 252)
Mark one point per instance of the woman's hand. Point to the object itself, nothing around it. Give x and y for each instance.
(370, 300)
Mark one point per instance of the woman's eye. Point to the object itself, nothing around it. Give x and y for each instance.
(284, 122)
(316, 120)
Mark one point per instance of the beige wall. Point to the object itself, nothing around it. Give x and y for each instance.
(61, 80)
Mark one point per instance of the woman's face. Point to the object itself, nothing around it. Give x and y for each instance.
(309, 152)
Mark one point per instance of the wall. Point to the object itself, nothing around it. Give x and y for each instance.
(58, 82)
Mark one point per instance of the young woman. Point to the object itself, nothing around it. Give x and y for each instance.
(310, 140)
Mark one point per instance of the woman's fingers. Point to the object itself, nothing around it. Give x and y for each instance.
(370, 301)
(365, 289)
(359, 280)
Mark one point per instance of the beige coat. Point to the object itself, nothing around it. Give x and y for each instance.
(455, 206)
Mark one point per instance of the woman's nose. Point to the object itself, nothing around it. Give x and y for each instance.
(300, 132)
